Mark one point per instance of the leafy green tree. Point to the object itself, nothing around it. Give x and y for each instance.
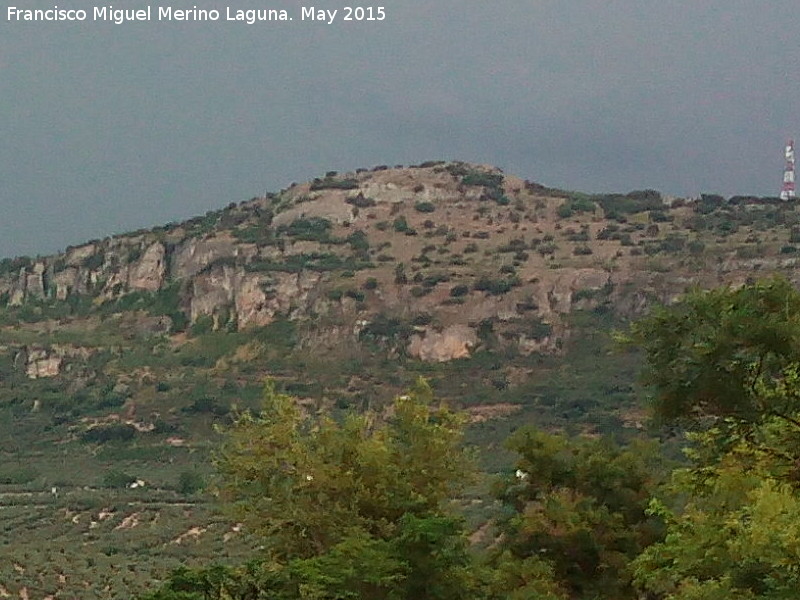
(708, 353)
(578, 508)
(515, 578)
(728, 360)
(733, 524)
(345, 509)
(277, 470)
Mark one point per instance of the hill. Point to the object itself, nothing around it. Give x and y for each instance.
(119, 356)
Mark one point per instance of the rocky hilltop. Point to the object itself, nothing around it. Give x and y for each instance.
(433, 262)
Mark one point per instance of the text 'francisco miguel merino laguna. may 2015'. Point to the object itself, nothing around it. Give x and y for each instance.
(119, 16)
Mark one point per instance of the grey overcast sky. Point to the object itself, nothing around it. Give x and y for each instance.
(108, 128)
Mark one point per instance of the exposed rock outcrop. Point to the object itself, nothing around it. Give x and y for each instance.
(48, 361)
(456, 341)
(148, 273)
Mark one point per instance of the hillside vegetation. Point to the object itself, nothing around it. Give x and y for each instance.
(120, 357)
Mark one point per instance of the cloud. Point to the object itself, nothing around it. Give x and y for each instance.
(116, 127)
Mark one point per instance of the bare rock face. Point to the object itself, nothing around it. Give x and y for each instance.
(252, 304)
(42, 363)
(324, 208)
(560, 294)
(545, 345)
(213, 291)
(17, 295)
(147, 325)
(451, 343)
(148, 273)
(293, 292)
(34, 281)
(116, 282)
(256, 298)
(49, 361)
(76, 256)
(194, 255)
(402, 185)
(259, 299)
(67, 281)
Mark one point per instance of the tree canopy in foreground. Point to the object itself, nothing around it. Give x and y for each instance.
(715, 353)
(359, 507)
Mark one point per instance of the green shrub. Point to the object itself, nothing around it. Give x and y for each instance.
(433, 279)
(659, 216)
(95, 261)
(400, 277)
(118, 479)
(206, 405)
(748, 252)
(673, 244)
(358, 241)
(161, 427)
(356, 295)
(383, 326)
(401, 226)
(696, 247)
(17, 475)
(547, 248)
(13, 265)
(329, 183)
(616, 205)
(167, 302)
(419, 291)
(370, 284)
(360, 201)
(580, 236)
(575, 205)
(496, 287)
(708, 203)
(313, 229)
(425, 207)
(314, 261)
(190, 482)
(479, 178)
(115, 432)
(515, 245)
(459, 290)
(422, 319)
(204, 324)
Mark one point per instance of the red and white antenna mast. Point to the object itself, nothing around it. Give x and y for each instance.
(787, 191)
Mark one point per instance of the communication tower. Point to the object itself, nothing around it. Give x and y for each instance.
(787, 191)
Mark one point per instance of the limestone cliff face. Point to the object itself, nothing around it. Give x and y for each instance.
(48, 361)
(256, 298)
(456, 341)
(465, 248)
(323, 206)
(193, 255)
(148, 273)
(41, 364)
